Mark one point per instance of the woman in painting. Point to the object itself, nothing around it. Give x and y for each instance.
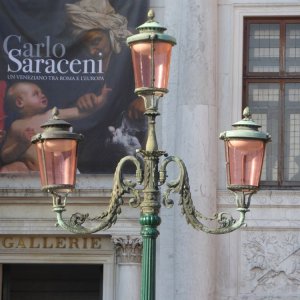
(119, 128)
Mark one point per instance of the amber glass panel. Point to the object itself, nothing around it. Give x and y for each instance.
(141, 57)
(244, 161)
(57, 162)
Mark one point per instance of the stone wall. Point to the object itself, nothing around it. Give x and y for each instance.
(261, 261)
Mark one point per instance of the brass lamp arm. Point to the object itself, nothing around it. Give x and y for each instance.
(108, 217)
(226, 223)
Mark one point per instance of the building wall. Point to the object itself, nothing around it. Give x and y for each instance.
(189, 115)
(254, 263)
(260, 261)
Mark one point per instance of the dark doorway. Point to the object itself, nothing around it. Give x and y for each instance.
(52, 282)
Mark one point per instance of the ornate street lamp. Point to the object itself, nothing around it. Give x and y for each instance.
(245, 145)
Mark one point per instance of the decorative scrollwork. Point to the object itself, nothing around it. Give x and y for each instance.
(225, 219)
(181, 186)
(108, 217)
(78, 219)
(225, 222)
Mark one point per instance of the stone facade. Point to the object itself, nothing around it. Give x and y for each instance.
(259, 262)
(128, 253)
(261, 258)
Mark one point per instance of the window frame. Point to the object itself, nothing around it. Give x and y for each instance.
(280, 77)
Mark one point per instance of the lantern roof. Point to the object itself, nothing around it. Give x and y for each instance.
(56, 128)
(246, 129)
(151, 30)
(55, 121)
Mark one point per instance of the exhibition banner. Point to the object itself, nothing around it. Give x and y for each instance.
(71, 55)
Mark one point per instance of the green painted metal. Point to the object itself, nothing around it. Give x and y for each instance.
(149, 234)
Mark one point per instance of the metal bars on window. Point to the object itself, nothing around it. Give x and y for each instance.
(272, 90)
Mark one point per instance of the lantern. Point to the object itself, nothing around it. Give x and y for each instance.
(244, 150)
(151, 55)
(57, 155)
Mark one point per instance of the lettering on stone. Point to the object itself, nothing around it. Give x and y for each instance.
(33, 242)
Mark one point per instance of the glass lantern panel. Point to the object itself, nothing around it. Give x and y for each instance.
(58, 162)
(141, 57)
(244, 161)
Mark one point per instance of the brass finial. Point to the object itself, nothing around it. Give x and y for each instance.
(55, 113)
(247, 113)
(151, 15)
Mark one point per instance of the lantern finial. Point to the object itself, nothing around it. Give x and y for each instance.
(55, 113)
(151, 15)
(247, 113)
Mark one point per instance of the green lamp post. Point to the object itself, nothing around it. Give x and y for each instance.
(245, 146)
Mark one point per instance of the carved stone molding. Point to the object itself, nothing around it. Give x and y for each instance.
(271, 263)
(128, 249)
(273, 198)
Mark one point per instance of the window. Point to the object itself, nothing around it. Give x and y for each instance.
(271, 85)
